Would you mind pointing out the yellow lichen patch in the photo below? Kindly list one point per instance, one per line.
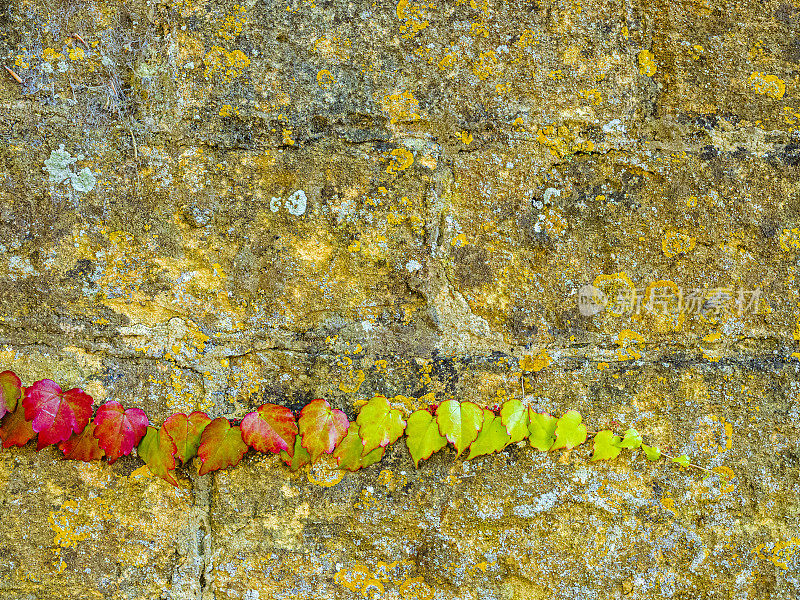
(333, 49)
(76, 53)
(325, 472)
(485, 65)
(647, 63)
(789, 239)
(714, 435)
(780, 553)
(401, 107)
(466, 138)
(536, 362)
(228, 111)
(593, 95)
(619, 293)
(355, 378)
(662, 302)
(401, 159)
(408, 404)
(50, 55)
(528, 38)
(561, 141)
(67, 526)
(412, 18)
(416, 589)
(223, 64)
(768, 85)
(353, 579)
(676, 242)
(631, 345)
(324, 78)
(232, 24)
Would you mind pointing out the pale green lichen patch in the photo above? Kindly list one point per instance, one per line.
(59, 168)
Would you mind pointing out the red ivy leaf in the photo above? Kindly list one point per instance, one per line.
(186, 432)
(83, 446)
(221, 446)
(270, 428)
(15, 430)
(119, 430)
(55, 414)
(322, 427)
(10, 392)
(157, 450)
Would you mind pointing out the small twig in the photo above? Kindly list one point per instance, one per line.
(80, 39)
(135, 151)
(14, 75)
(522, 381)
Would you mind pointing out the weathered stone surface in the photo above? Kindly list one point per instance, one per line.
(214, 204)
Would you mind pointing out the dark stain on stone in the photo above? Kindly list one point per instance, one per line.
(471, 266)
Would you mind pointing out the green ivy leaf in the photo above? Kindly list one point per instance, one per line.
(157, 450)
(299, 456)
(682, 460)
(221, 446)
(10, 392)
(350, 452)
(542, 430)
(493, 436)
(514, 415)
(632, 439)
(422, 436)
(186, 433)
(651, 452)
(606, 445)
(569, 431)
(459, 422)
(379, 424)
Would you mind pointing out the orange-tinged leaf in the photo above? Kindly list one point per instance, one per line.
(270, 428)
(10, 392)
(15, 430)
(83, 446)
(299, 458)
(221, 446)
(119, 430)
(56, 414)
(157, 450)
(186, 432)
(321, 427)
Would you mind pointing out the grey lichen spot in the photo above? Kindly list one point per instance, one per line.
(296, 203)
(58, 165)
(59, 168)
(83, 181)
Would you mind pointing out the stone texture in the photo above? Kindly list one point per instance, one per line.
(211, 205)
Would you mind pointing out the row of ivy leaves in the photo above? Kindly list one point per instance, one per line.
(65, 418)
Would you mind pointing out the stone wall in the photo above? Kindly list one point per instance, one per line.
(210, 205)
